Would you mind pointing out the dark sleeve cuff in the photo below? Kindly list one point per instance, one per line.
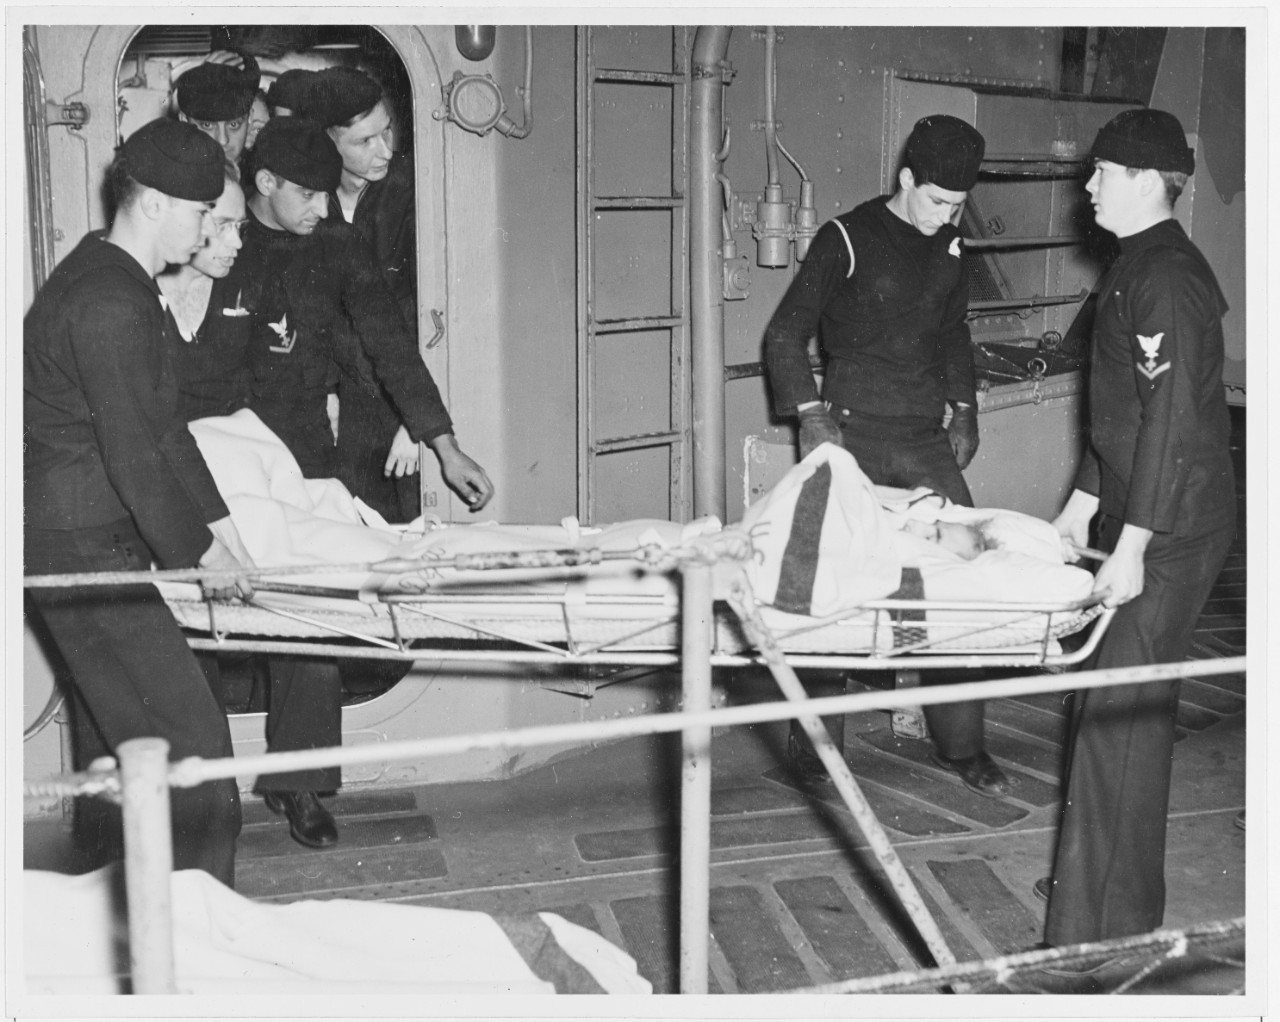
(1088, 475)
(182, 549)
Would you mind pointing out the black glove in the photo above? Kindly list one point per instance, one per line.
(963, 434)
(818, 427)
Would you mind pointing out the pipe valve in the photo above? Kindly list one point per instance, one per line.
(805, 220)
(772, 229)
(737, 273)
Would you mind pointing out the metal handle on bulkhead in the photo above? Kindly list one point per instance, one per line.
(438, 336)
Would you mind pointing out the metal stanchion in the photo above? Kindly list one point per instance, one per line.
(148, 863)
(695, 786)
(838, 770)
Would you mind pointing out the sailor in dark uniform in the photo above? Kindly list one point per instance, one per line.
(1157, 483)
(217, 99)
(114, 481)
(375, 195)
(316, 300)
(286, 95)
(209, 334)
(209, 328)
(323, 311)
(884, 287)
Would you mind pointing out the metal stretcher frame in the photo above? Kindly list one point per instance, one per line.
(914, 639)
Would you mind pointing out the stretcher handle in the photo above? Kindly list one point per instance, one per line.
(1089, 552)
(496, 560)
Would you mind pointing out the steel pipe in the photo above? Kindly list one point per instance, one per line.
(190, 772)
(1043, 241)
(975, 660)
(1176, 940)
(842, 777)
(706, 255)
(148, 863)
(695, 782)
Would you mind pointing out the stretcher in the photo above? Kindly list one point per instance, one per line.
(574, 612)
(827, 560)
(851, 590)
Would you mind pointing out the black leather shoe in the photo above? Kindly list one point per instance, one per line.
(310, 823)
(804, 763)
(1042, 887)
(979, 772)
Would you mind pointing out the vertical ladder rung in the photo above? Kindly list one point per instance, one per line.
(602, 74)
(667, 438)
(622, 326)
(639, 201)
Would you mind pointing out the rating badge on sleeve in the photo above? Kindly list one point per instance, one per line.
(1151, 368)
(287, 337)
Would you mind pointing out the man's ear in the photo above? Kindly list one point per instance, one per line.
(906, 179)
(264, 181)
(152, 203)
(1149, 181)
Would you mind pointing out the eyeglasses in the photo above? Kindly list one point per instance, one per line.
(229, 227)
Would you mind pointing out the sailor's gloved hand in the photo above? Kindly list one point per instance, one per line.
(817, 427)
(963, 433)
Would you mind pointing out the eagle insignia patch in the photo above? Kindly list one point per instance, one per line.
(1151, 348)
(287, 338)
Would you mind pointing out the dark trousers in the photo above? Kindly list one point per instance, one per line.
(304, 711)
(908, 453)
(1109, 866)
(905, 453)
(366, 424)
(303, 700)
(303, 426)
(133, 675)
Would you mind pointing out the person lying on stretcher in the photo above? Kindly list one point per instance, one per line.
(828, 540)
(951, 531)
(824, 523)
(965, 541)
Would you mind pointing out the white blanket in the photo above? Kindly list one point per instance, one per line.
(283, 518)
(287, 520)
(76, 942)
(829, 541)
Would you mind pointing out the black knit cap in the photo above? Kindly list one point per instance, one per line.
(1145, 140)
(945, 151)
(175, 158)
(218, 92)
(298, 150)
(290, 89)
(337, 94)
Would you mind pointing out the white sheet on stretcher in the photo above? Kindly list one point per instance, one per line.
(285, 519)
(75, 941)
(855, 549)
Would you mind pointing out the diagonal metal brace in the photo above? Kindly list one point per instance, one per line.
(742, 601)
